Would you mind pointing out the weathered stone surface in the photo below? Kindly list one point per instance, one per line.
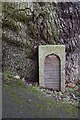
(40, 24)
(15, 60)
(68, 25)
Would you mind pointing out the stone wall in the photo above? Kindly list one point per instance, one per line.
(69, 31)
(15, 60)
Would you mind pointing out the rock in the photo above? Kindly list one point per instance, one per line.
(68, 93)
(44, 90)
(36, 84)
(60, 93)
(50, 92)
(23, 79)
(67, 98)
(59, 98)
(16, 77)
(41, 90)
(22, 54)
(55, 92)
(73, 96)
(74, 102)
(41, 87)
(30, 85)
(76, 88)
(29, 100)
(20, 111)
(71, 85)
(56, 95)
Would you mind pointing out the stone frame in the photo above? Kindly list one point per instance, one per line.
(58, 50)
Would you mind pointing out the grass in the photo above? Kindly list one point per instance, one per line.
(19, 86)
(7, 75)
(71, 90)
(18, 90)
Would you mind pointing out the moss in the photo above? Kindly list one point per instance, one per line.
(28, 52)
(13, 92)
(71, 90)
(22, 17)
(78, 86)
(41, 4)
(7, 86)
(79, 95)
(18, 99)
(10, 24)
(20, 83)
(69, 108)
(41, 106)
(18, 90)
(7, 75)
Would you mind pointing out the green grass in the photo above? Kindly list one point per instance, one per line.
(13, 88)
(17, 90)
(71, 90)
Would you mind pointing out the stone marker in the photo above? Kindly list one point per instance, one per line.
(52, 66)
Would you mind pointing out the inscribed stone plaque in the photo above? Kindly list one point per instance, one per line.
(52, 72)
(52, 66)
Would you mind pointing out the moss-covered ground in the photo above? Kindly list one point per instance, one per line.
(23, 101)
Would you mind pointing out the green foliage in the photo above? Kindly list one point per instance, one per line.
(18, 94)
(13, 14)
(20, 83)
(7, 75)
(22, 17)
(71, 90)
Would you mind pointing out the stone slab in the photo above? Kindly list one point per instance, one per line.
(58, 50)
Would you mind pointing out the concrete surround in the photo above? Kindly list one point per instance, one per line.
(58, 50)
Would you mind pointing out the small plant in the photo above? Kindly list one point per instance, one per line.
(7, 75)
(20, 82)
(71, 90)
(78, 86)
